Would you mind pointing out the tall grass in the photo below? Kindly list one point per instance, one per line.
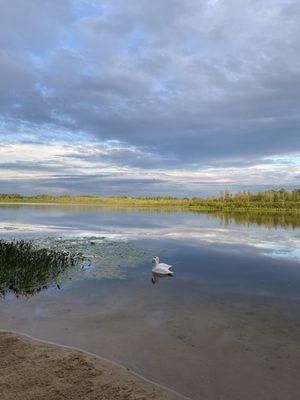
(25, 270)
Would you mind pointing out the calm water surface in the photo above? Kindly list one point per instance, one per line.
(232, 307)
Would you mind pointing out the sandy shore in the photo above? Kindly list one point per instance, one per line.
(33, 370)
(232, 348)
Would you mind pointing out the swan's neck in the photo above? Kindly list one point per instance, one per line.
(156, 262)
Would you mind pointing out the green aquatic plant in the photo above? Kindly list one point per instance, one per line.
(98, 257)
(25, 270)
(27, 267)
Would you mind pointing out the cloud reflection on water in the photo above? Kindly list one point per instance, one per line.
(275, 243)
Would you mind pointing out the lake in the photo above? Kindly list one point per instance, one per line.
(226, 326)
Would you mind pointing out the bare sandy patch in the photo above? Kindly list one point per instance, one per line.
(33, 370)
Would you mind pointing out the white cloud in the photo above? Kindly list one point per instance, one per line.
(35, 161)
(210, 96)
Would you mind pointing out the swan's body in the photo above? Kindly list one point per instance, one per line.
(160, 270)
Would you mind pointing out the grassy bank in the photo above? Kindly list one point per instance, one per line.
(268, 201)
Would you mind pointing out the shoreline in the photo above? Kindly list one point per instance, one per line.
(166, 207)
(118, 378)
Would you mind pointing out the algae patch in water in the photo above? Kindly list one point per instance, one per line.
(98, 257)
(27, 267)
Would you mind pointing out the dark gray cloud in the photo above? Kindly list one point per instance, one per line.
(196, 83)
(110, 186)
(80, 185)
(32, 166)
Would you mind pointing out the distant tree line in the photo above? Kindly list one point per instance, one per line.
(269, 200)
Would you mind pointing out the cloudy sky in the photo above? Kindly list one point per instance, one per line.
(137, 97)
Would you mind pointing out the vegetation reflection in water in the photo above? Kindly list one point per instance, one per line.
(25, 270)
(271, 219)
(27, 267)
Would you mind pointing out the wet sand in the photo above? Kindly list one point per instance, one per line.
(34, 370)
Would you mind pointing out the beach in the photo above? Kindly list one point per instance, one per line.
(33, 370)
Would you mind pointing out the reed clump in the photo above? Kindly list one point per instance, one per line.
(26, 270)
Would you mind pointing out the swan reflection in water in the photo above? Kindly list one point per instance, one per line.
(160, 270)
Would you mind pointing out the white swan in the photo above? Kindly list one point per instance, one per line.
(160, 270)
